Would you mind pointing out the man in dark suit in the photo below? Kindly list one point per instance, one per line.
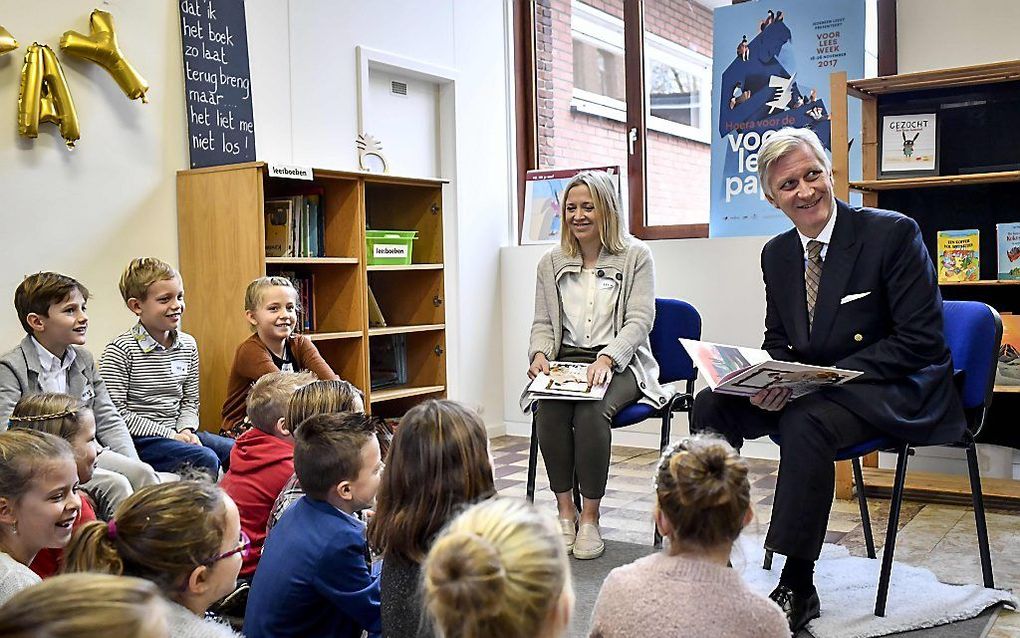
(852, 288)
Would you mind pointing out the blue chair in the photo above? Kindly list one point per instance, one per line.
(674, 320)
(973, 331)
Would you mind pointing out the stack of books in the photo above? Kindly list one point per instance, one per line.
(295, 226)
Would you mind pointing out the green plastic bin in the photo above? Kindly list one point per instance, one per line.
(390, 247)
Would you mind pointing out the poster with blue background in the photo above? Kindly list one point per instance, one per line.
(772, 61)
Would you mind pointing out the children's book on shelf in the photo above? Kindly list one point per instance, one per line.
(279, 224)
(746, 371)
(568, 381)
(305, 285)
(959, 256)
(1008, 370)
(1008, 244)
(295, 226)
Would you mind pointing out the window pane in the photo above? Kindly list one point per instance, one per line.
(678, 44)
(675, 94)
(599, 70)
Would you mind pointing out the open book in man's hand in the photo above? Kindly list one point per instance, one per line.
(566, 381)
(746, 371)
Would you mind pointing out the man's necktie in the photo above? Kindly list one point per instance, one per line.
(812, 276)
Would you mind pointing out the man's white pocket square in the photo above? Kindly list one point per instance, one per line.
(854, 297)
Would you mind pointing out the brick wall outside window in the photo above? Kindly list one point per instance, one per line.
(678, 168)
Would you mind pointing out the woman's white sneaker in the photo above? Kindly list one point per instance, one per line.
(588, 543)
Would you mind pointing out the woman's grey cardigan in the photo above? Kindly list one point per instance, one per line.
(633, 315)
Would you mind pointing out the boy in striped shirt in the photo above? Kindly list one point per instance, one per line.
(151, 372)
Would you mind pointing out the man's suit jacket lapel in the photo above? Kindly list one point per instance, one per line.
(836, 270)
(793, 296)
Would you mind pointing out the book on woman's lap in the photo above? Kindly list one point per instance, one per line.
(746, 371)
(566, 381)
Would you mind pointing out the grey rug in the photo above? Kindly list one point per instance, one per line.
(589, 574)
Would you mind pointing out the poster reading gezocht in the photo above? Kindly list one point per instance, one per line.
(772, 62)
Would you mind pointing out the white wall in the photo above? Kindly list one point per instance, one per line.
(86, 213)
(937, 34)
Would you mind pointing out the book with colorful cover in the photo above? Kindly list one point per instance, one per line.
(279, 226)
(746, 371)
(566, 381)
(1008, 247)
(959, 255)
(1008, 370)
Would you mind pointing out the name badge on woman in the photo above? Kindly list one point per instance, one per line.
(606, 284)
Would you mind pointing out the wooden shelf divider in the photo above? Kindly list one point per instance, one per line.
(328, 336)
(935, 181)
(401, 392)
(396, 330)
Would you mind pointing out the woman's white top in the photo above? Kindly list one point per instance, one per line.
(586, 309)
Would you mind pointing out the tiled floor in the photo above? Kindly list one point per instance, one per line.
(938, 537)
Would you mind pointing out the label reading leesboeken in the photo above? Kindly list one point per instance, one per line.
(389, 251)
(290, 172)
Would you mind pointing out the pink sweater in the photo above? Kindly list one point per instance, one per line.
(662, 595)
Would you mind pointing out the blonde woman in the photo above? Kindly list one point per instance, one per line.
(86, 606)
(499, 570)
(594, 304)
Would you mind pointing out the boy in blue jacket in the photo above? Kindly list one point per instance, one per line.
(314, 577)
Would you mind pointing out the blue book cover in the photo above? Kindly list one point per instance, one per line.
(1008, 248)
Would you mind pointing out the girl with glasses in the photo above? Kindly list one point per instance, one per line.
(185, 537)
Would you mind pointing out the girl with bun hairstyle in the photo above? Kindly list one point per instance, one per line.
(86, 606)
(442, 455)
(704, 502)
(64, 416)
(184, 536)
(499, 570)
(38, 502)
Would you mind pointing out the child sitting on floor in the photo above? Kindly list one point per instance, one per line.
(319, 397)
(64, 416)
(704, 501)
(499, 569)
(263, 458)
(271, 305)
(184, 536)
(38, 502)
(151, 372)
(442, 451)
(314, 578)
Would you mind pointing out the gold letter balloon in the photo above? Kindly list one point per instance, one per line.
(44, 96)
(100, 46)
(7, 41)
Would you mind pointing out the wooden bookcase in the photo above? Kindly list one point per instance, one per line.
(977, 186)
(221, 228)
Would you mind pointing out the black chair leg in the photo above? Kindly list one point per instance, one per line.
(667, 419)
(979, 515)
(767, 565)
(890, 535)
(862, 500)
(532, 462)
(577, 494)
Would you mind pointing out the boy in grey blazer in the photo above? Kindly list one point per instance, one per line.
(52, 358)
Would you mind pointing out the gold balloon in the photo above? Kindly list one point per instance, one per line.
(7, 41)
(100, 46)
(44, 96)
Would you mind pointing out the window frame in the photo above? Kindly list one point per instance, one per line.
(605, 31)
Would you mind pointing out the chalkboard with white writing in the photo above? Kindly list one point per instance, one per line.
(217, 82)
